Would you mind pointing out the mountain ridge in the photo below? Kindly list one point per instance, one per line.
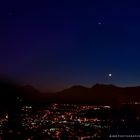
(97, 94)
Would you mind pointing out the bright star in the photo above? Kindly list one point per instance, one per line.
(99, 23)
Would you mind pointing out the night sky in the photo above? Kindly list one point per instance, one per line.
(54, 44)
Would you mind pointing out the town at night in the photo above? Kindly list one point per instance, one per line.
(69, 69)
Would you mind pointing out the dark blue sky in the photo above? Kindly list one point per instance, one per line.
(53, 44)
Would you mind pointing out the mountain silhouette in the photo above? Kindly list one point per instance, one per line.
(99, 94)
